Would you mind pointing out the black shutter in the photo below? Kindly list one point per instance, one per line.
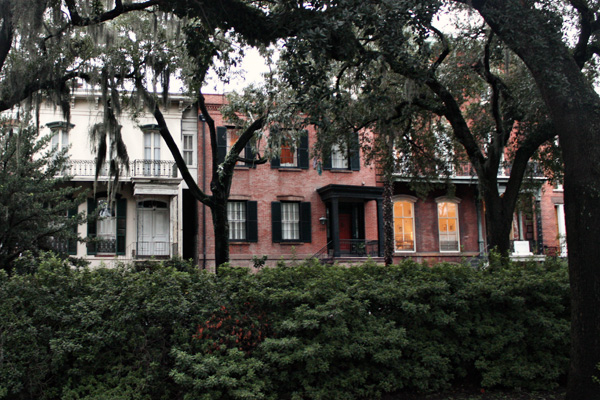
(249, 154)
(276, 221)
(91, 225)
(303, 151)
(121, 225)
(221, 143)
(275, 162)
(327, 161)
(72, 242)
(251, 221)
(305, 223)
(354, 153)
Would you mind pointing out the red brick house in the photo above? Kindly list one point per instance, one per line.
(297, 207)
(292, 207)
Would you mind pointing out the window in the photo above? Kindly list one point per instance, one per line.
(236, 214)
(60, 135)
(291, 221)
(339, 159)
(242, 217)
(288, 157)
(106, 233)
(60, 139)
(151, 153)
(188, 149)
(226, 138)
(293, 156)
(344, 157)
(448, 225)
(404, 224)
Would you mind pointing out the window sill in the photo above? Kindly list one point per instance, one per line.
(290, 169)
(341, 171)
(291, 243)
(239, 242)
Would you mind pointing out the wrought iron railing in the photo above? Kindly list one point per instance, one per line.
(350, 248)
(154, 249)
(137, 168)
(465, 169)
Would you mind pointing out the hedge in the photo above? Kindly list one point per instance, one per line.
(308, 331)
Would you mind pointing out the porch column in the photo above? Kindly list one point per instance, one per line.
(380, 225)
(335, 226)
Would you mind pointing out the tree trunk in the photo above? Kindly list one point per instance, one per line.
(388, 222)
(498, 225)
(574, 107)
(221, 229)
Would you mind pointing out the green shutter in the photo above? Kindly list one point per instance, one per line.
(91, 225)
(121, 225)
(251, 221)
(221, 143)
(354, 153)
(276, 221)
(72, 242)
(305, 223)
(303, 151)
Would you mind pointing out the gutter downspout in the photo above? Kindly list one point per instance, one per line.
(203, 120)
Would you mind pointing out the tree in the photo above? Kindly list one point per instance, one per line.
(533, 30)
(38, 210)
(539, 33)
(446, 100)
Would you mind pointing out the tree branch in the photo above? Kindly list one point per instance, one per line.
(168, 138)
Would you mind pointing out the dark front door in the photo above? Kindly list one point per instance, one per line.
(345, 232)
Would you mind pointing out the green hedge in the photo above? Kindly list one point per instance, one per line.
(299, 332)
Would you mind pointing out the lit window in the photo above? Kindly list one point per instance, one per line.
(236, 215)
(448, 225)
(404, 225)
(290, 221)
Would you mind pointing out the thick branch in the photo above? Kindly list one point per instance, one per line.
(6, 32)
(168, 138)
(587, 21)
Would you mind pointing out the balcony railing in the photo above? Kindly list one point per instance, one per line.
(137, 169)
(465, 170)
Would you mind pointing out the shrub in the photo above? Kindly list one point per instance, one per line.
(306, 331)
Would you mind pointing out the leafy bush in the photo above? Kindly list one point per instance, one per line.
(306, 331)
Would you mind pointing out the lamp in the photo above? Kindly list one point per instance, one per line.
(323, 220)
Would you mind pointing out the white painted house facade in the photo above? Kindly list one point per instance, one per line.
(145, 219)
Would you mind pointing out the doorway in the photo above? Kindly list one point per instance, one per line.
(153, 229)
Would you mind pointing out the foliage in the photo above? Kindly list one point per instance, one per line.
(37, 208)
(307, 331)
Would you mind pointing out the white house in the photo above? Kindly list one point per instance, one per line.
(146, 218)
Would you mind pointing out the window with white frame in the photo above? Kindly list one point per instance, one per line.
(339, 158)
(448, 224)
(188, 149)
(151, 152)
(404, 224)
(236, 215)
(288, 156)
(60, 139)
(290, 221)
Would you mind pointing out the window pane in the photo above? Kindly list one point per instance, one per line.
(338, 158)
(236, 215)
(290, 221)
(448, 226)
(404, 226)
(287, 157)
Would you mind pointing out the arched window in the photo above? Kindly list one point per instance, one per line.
(404, 223)
(448, 223)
